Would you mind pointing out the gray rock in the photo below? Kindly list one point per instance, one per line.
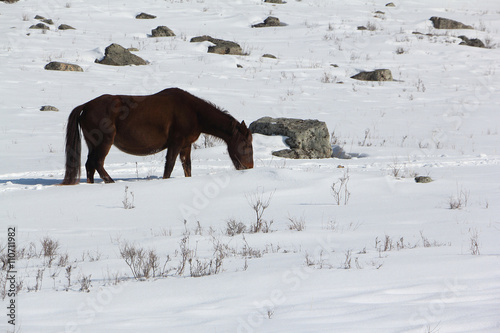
(65, 27)
(376, 75)
(49, 108)
(271, 21)
(423, 179)
(61, 66)
(117, 55)
(444, 23)
(221, 46)
(267, 55)
(275, 1)
(40, 26)
(390, 4)
(9, 1)
(145, 16)
(162, 31)
(306, 138)
(471, 42)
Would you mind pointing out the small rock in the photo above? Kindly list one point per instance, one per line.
(65, 27)
(423, 179)
(271, 21)
(49, 108)
(9, 1)
(117, 55)
(61, 66)
(390, 4)
(275, 1)
(48, 21)
(376, 75)
(444, 23)
(221, 46)
(162, 31)
(144, 16)
(267, 55)
(362, 27)
(40, 26)
(39, 17)
(471, 42)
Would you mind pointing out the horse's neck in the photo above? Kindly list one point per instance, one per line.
(217, 123)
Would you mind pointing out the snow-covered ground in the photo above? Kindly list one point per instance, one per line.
(392, 256)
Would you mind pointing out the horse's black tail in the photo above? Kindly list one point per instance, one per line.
(73, 148)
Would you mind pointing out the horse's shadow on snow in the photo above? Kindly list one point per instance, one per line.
(55, 181)
(31, 181)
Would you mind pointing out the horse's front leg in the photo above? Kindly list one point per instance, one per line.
(185, 156)
(172, 153)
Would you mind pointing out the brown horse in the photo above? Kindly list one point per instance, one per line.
(145, 125)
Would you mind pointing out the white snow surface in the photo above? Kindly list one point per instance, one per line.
(394, 257)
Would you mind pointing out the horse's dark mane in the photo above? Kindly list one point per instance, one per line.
(218, 108)
(216, 114)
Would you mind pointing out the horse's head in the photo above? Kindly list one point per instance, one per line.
(240, 147)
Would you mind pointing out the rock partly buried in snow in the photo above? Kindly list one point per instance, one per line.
(162, 31)
(376, 75)
(40, 26)
(117, 55)
(444, 23)
(471, 42)
(268, 55)
(275, 1)
(221, 46)
(145, 16)
(61, 66)
(306, 138)
(65, 27)
(49, 108)
(423, 179)
(271, 21)
(390, 4)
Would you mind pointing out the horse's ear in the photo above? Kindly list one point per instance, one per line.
(245, 130)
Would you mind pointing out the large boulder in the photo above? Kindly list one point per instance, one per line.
(444, 23)
(306, 138)
(376, 75)
(221, 46)
(117, 55)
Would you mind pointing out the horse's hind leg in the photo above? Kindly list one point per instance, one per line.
(90, 166)
(185, 156)
(95, 160)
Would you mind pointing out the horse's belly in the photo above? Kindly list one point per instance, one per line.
(140, 144)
